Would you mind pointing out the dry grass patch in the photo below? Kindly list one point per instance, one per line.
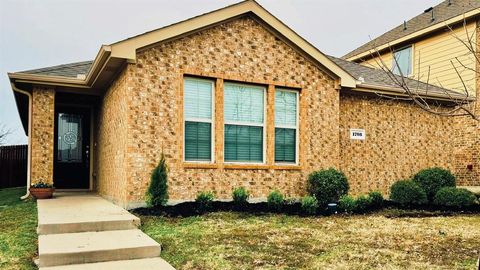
(242, 241)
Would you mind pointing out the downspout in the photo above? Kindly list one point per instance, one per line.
(29, 148)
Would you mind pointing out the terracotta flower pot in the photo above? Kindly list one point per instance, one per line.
(42, 193)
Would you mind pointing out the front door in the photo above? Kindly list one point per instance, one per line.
(72, 148)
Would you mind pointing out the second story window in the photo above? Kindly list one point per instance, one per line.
(244, 115)
(402, 62)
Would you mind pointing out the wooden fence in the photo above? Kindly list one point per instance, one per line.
(13, 166)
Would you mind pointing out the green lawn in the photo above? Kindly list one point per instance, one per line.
(18, 238)
(243, 241)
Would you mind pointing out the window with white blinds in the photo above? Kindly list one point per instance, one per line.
(198, 115)
(286, 128)
(244, 116)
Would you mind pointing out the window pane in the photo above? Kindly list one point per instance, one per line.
(69, 138)
(198, 98)
(285, 108)
(403, 61)
(243, 143)
(198, 142)
(243, 103)
(285, 145)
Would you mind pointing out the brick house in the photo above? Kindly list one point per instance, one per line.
(232, 98)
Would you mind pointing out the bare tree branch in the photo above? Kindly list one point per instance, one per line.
(419, 89)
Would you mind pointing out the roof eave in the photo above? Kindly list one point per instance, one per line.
(397, 91)
(95, 71)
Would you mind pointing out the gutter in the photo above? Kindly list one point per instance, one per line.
(400, 92)
(29, 148)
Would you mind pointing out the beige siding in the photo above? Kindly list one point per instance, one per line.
(437, 54)
(433, 59)
(386, 59)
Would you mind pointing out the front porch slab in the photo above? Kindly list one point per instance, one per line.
(71, 212)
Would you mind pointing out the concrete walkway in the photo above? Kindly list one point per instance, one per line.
(85, 231)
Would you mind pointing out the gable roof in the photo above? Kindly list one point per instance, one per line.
(373, 78)
(126, 49)
(445, 13)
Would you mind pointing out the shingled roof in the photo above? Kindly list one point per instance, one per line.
(442, 12)
(71, 70)
(377, 77)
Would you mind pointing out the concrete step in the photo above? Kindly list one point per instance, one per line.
(89, 226)
(82, 213)
(89, 247)
(140, 264)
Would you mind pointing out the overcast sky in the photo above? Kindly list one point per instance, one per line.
(35, 34)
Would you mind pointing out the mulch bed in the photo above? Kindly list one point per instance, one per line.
(390, 210)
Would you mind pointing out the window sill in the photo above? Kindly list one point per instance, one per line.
(242, 166)
(188, 165)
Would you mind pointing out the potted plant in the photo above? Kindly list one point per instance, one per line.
(42, 190)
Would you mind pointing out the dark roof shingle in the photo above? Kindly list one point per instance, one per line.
(442, 12)
(378, 77)
(71, 70)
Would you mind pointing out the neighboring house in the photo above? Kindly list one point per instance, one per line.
(425, 48)
(232, 98)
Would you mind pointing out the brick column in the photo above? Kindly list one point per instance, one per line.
(43, 119)
(270, 125)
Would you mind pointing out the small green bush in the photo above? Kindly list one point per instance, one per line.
(157, 193)
(347, 204)
(204, 200)
(327, 186)
(433, 179)
(240, 196)
(407, 192)
(363, 203)
(376, 199)
(275, 200)
(309, 205)
(456, 197)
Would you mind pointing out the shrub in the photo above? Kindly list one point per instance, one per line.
(204, 200)
(347, 204)
(362, 204)
(407, 192)
(456, 197)
(376, 199)
(327, 186)
(309, 205)
(157, 193)
(275, 200)
(240, 196)
(433, 179)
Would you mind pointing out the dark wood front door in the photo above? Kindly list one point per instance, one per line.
(72, 148)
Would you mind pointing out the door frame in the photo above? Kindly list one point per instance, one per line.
(91, 145)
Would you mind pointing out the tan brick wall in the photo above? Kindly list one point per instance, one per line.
(43, 109)
(241, 49)
(467, 143)
(401, 139)
(110, 137)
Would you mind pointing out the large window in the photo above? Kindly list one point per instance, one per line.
(286, 129)
(244, 114)
(402, 62)
(198, 109)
